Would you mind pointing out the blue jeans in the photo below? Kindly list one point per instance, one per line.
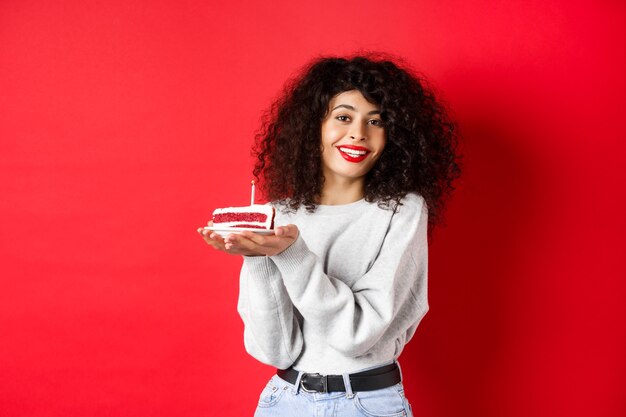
(282, 399)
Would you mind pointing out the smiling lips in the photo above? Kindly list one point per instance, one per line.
(353, 153)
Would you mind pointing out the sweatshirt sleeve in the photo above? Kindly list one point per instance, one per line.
(392, 291)
(271, 329)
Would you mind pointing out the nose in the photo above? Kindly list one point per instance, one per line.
(357, 132)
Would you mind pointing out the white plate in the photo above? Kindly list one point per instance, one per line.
(225, 231)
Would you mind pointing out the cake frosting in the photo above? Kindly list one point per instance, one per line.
(256, 216)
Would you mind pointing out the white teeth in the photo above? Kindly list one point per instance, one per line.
(353, 152)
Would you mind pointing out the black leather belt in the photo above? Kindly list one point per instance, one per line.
(377, 378)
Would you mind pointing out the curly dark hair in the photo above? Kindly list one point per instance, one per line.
(420, 153)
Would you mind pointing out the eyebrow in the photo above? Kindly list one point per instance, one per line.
(349, 107)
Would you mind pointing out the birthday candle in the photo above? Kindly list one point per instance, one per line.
(252, 195)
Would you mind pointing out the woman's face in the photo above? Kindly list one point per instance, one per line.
(353, 136)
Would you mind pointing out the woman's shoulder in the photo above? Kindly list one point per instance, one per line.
(411, 203)
(414, 199)
(411, 210)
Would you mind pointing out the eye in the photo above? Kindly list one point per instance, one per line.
(342, 118)
(376, 122)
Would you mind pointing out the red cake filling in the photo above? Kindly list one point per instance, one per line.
(250, 226)
(240, 217)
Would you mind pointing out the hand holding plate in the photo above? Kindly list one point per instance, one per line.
(216, 241)
(260, 245)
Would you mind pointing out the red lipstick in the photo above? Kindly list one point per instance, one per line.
(352, 153)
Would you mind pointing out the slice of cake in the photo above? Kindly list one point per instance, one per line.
(257, 216)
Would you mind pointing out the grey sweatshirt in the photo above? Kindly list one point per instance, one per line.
(347, 295)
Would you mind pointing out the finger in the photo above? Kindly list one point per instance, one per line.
(291, 230)
(212, 239)
(255, 237)
(240, 243)
(204, 233)
(230, 238)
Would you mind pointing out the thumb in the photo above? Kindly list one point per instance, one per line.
(291, 230)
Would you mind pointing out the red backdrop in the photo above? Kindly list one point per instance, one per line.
(124, 123)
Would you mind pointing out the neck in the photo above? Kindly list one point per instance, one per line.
(337, 191)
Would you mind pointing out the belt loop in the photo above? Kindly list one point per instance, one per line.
(399, 369)
(296, 389)
(348, 385)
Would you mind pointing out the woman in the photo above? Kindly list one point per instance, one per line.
(358, 157)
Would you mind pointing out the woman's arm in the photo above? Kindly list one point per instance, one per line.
(272, 333)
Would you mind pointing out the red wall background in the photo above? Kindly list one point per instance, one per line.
(124, 123)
